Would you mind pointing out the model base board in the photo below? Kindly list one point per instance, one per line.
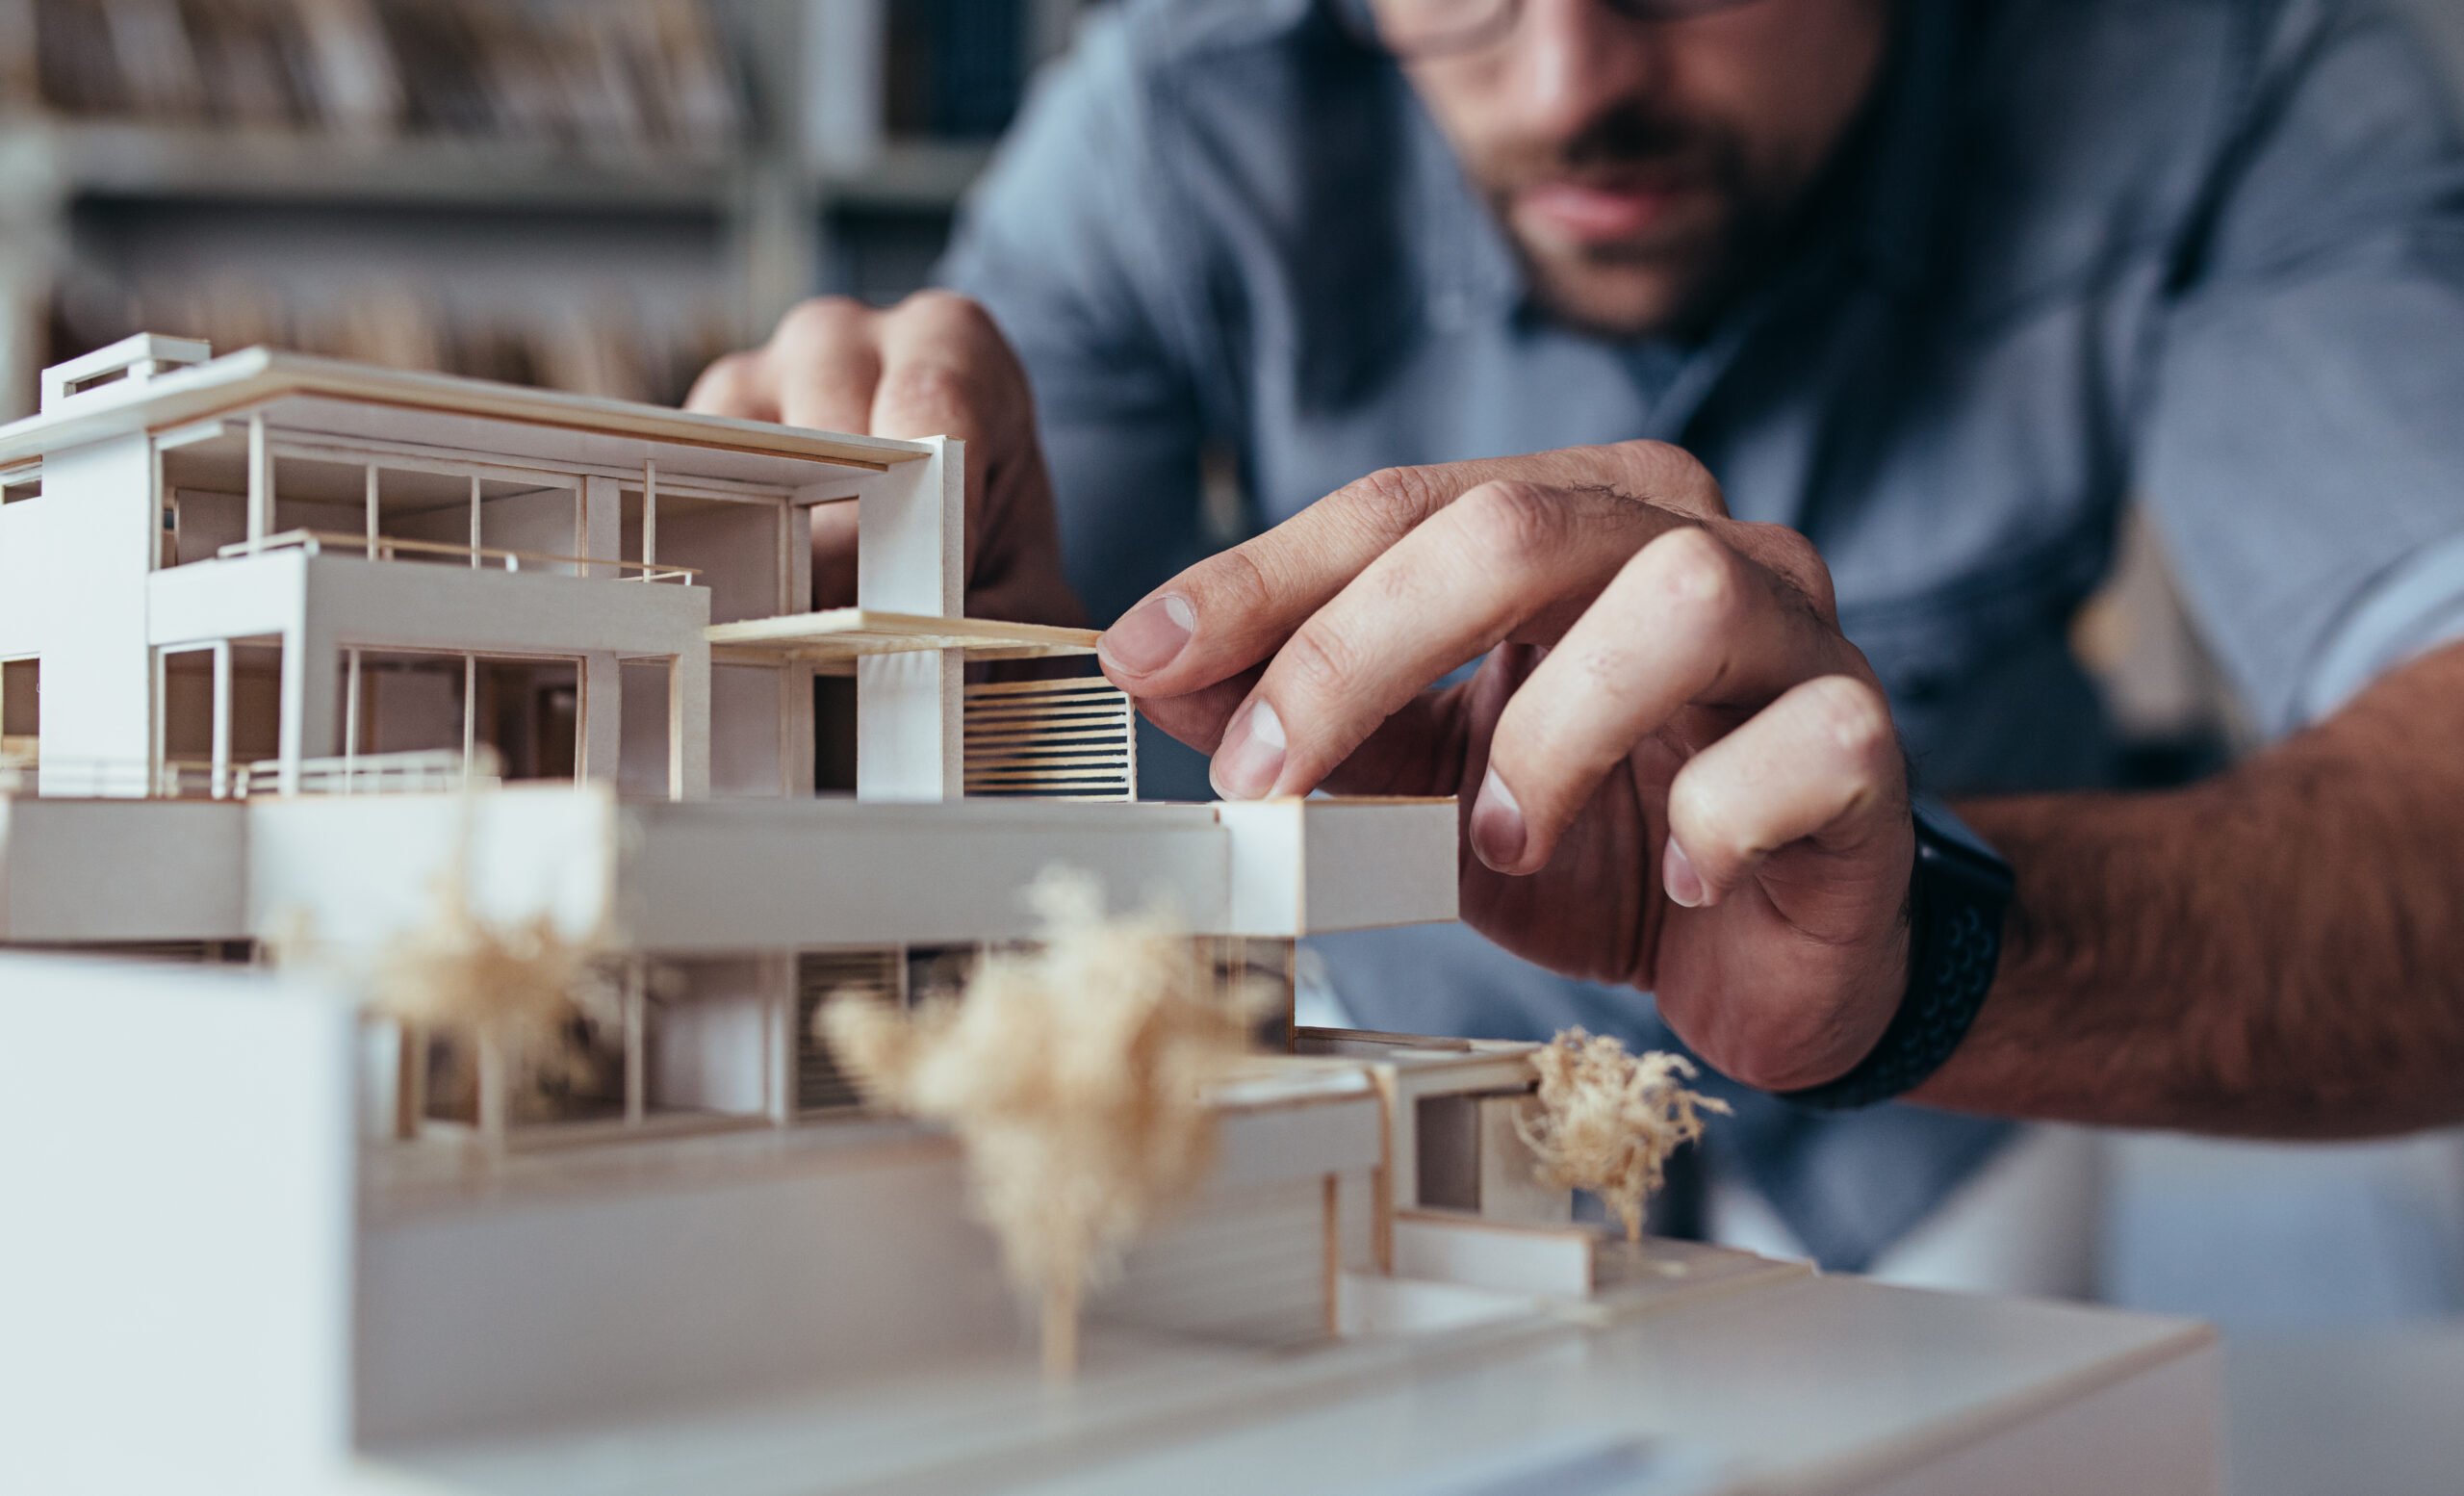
(811, 1308)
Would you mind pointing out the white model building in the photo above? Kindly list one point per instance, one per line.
(256, 610)
(292, 644)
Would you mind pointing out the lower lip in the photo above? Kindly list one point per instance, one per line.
(1597, 214)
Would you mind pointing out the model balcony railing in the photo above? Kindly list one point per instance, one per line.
(431, 771)
(426, 772)
(1074, 740)
(386, 548)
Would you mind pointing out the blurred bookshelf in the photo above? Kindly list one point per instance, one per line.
(599, 194)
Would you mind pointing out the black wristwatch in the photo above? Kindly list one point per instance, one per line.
(1959, 893)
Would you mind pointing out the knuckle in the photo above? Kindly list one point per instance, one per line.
(946, 318)
(1390, 502)
(729, 380)
(1512, 520)
(1697, 812)
(1233, 583)
(1670, 474)
(1702, 578)
(1855, 718)
(820, 322)
(936, 305)
(927, 384)
(1792, 556)
(1319, 663)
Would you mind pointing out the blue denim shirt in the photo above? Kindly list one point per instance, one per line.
(2203, 254)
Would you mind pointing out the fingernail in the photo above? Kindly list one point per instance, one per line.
(1150, 635)
(1678, 878)
(1498, 830)
(1250, 759)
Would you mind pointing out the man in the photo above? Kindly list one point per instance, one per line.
(1919, 294)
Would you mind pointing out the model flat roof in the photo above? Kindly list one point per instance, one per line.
(343, 398)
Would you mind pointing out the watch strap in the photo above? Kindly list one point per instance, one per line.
(1956, 898)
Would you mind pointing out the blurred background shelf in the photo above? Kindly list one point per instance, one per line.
(129, 161)
(917, 174)
(597, 193)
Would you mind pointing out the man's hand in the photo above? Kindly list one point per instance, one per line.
(1679, 773)
(933, 366)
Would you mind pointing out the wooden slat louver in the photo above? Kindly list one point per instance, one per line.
(1074, 740)
(820, 1085)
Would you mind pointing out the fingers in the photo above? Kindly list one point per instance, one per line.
(1483, 569)
(1253, 595)
(737, 386)
(1689, 621)
(935, 365)
(1230, 611)
(1821, 763)
(834, 555)
(946, 370)
(824, 364)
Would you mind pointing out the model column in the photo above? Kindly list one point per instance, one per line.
(911, 546)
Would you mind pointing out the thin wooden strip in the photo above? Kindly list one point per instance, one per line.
(1071, 742)
(1100, 690)
(1053, 754)
(1073, 761)
(1057, 721)
(1109, 797)
(1035, 705)
(1092, 683)
(1003, 739)
(1082, 769)
(1055, 699)
(1032, 761)
(1082, 716)
(1075, 682)
(1032, 703)
(1049, 785)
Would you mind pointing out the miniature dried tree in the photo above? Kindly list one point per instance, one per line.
(516, 991)
(1609, 1120)
(1074, 1075)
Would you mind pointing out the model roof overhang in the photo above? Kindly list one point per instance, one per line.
(505, 421)
(842, 633)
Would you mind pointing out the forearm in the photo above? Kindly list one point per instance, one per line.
(2279, 950)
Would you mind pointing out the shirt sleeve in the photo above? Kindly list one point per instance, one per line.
(2305, 450)
(1068, 244)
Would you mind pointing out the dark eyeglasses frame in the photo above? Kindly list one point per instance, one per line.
(1359, 18)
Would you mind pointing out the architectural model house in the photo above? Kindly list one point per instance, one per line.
(257, 611)
(293, 647)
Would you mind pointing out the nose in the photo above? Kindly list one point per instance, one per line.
(1573, 60)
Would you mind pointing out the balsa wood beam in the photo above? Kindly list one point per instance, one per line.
(849, 633)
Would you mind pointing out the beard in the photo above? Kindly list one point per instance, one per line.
(1722, 218)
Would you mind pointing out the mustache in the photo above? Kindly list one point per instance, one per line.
(1617, 143)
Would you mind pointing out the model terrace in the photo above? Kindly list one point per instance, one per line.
(274, 573)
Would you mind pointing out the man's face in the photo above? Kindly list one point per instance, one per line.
(1641, 167)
